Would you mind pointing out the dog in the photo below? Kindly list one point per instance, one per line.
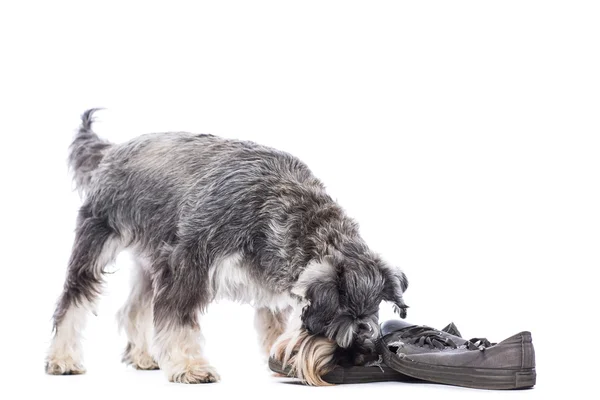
(209, 218)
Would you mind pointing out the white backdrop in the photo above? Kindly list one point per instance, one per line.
(463, 136)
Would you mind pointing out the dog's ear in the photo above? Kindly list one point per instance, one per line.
(323, 305)
(394, 287)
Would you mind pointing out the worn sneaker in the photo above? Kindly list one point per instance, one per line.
(437, 356)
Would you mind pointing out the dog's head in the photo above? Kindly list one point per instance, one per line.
(343, 292)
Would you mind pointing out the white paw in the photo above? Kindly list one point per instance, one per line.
(144, 362)
(63, 366)
(195, 373)
(139, 359)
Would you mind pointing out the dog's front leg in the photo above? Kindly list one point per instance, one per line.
(179, 295)
(270, 324)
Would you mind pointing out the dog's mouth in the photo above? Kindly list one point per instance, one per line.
(347, 332)
(361, 352)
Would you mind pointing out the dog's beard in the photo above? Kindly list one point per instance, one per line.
(362, 352)
(308, 356)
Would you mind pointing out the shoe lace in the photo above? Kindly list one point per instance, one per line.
(479, 343)
(424, 336)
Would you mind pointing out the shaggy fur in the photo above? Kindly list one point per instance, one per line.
(208, 217)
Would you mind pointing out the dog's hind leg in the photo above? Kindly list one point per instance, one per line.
(270, 325)
(135, 317)
(95, 246)
(181, 291)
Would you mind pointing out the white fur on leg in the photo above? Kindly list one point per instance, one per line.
(138, 327)
(139, 358)
(270, 325)
(179, 353)
(135, 318)
(65, 356)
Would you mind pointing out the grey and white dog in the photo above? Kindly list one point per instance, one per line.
(212, 218)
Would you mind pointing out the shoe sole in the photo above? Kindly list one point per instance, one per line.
(477, 378)
(351, 375)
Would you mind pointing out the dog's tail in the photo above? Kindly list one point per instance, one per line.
(86, 151)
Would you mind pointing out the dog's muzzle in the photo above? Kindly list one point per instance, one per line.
(367, 330)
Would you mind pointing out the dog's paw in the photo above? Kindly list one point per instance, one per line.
(144, 362)
(196, 374)
(63, 366)
(139, 359)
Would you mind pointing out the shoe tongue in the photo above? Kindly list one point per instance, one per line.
(451, 329)
(394, 325)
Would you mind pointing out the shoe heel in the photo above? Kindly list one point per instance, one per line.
(528, 352)
(525, 379)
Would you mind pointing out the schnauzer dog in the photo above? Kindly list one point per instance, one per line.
(210, 218)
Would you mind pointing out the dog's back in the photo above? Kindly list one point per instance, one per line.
(161, 186)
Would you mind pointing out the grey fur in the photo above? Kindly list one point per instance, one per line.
(185, 201)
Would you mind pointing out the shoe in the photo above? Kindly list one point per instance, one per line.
(351, 374)
(437, 356)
